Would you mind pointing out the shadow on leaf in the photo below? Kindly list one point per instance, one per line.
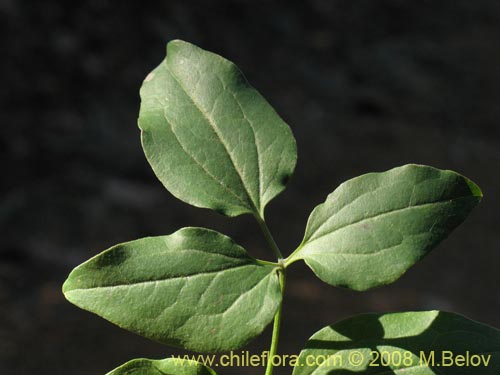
(435, 340)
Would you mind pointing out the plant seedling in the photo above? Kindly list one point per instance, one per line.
(214, 142)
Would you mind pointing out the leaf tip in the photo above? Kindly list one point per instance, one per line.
(66, 287)
(474, 188)
(177, 44)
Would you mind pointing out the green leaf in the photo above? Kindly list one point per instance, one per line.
(170, 366)
(210, 137)
(402, 343)
(372, 228)
(194, 289)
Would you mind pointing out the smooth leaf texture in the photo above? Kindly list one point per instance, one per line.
(210, 137)
(168, 366)
(357, 345)
(372, 228)
(194, 289)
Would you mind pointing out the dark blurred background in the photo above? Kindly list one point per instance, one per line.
(365, 86)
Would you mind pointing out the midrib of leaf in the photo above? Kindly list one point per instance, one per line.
(235, 301)
(382, 214)
(177, 251)
(215, 129)
(162, 280)
(338, 253)
(256, 144)
(348, 204)
(201, 165)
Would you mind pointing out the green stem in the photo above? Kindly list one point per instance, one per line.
(290, 259)
(269, 237)
(282, 278)
(276, 327)
(266, 263)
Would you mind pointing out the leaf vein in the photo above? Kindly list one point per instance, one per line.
(202, 166)
(378, 216)
(216, 131)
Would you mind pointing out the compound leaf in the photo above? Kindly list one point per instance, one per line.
(416, 343)
(210, 137)
(372, 228)
(194, 289)
(170, 366)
